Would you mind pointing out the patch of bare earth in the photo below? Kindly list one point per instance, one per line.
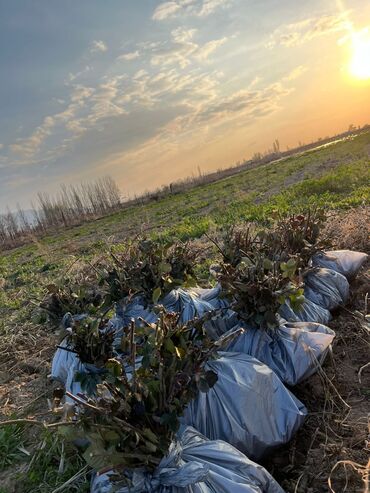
(24, 365)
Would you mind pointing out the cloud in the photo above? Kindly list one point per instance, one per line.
(103, 101)
(178, 51)
(29, 146)
(182, 49)
(198, 8)
(209, 6)
(244, 104)
(168, 87)
(129, 56)
(165, 10)
(1, 146)
(210, 47)
(98, 46)
(308, 29)
(72, 77)
(295, 73)
(89, 108)
(202, 123)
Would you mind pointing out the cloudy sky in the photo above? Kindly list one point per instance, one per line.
(148, 91)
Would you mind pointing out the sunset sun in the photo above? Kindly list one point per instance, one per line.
(360, 61)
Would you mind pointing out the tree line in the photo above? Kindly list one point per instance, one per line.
(73, 205)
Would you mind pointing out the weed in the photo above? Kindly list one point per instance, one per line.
(11, 439)
(52, 464)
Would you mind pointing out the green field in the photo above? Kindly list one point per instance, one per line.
(336, 176)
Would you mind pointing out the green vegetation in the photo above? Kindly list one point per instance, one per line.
(10, 443)
(43, 475)
(133, 411)
(336, 176)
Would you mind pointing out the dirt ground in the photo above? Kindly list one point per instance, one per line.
(331, 451)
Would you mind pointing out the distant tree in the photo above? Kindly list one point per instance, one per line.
(72, 205)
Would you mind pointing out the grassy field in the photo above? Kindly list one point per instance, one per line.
(336, 177)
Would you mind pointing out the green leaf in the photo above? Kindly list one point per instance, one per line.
(114, 366)
(150, 435)
(169, 345)
(291, 263)
(98, 457)
(156, 295)
(267, 264)
(111, 436)
(164, 268)
(150, 446)
(170, 420)
(203, 385)
(180, 353)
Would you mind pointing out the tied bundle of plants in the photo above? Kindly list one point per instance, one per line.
(67, 296)
(91, 340)
(238, 242)
(150, 268)
(134, 414)
(258, 287)
(263, 268)
(297, 236)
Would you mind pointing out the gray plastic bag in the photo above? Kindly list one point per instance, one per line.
(309, 312)
(189, 304)
(64, 357)
(343, 261)
(292, 350)
(195, 464)
(248, 407)
(326, 288)
(192, 303)
(212, 296)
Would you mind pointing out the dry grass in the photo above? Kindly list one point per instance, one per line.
(350, 230)
(25, 363)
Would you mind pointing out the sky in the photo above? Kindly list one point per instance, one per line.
(150, 91)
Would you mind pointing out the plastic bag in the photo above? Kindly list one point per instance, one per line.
(326, 288)
(309, 312)
(192, 303)
(292, 350)
(195, 464)
(343, 261)
(248, 407)
(64, 357)
(212, 296)
(188, 304)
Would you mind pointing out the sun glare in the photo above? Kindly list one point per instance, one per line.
(360, 61)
